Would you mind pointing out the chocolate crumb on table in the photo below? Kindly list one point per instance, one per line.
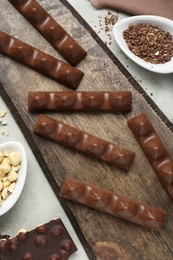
(149, 42)
(106, 24)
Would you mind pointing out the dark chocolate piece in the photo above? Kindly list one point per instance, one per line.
(113, 204)
(88, 144)
(40, 61)
(50, 30)
(154, 150)
(68, 101)
(46, 242)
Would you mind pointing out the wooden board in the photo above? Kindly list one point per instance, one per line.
(102, 72)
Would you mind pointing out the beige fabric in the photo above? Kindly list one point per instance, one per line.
(151, 7)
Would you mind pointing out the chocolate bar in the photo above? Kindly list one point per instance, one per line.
(40, 61)
(79, 140)
(113, 204)
(154, 150)
(50, 30)
(48, 241)
(68, 101)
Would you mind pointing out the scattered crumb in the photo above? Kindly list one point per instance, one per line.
(5, 133)
(106, 24)
(3, 122)
(2, 113)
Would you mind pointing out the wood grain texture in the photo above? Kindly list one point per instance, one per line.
(101, 73)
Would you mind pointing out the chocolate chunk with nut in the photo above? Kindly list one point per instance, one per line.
(50, 241)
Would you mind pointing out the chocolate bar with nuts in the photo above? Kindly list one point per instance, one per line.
(47, 241)
(68, 101)
(40, 61)
(87, 143)
(154, 150)
(50, 30)
(113, 204)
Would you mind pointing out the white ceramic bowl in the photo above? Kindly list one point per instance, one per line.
(8, 203)
(163, 23)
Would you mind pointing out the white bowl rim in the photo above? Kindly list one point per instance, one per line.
(162, 22)
(8, 203)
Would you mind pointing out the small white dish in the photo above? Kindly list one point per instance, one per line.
(9, 202)
(163, 23)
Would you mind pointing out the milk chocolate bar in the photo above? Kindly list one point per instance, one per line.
(39, 61)
(68, 101)
(50, 30)
(49, 241)
(79, 140)
(113, 204)
(154, 150)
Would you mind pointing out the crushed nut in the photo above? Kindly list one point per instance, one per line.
(3, 113)
(149, 42)
(3, 122)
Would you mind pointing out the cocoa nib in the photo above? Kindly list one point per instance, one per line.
(149, 42)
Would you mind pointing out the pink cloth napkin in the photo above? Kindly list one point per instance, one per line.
(151, 7)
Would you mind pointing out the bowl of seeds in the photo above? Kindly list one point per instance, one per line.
(13, 170)
(147, 40)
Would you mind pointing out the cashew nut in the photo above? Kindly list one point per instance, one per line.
(7, 184)
(1, 156)
(14, 158)
(1, 185)
(11, 187)
(16, 168)
(12, 176)
(4, 179)
(5, 166)
(6, 154)
(4, 193)
(9, 167)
